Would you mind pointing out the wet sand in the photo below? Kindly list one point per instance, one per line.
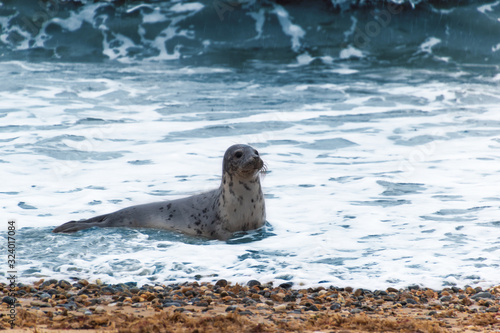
(80, 306)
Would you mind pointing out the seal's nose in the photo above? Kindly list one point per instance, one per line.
(255, 155)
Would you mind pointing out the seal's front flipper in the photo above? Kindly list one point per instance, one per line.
(73, 226)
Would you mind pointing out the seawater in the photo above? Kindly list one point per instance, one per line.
(381, 173)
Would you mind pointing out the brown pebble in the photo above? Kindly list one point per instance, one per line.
(431, 293)
(186, 289)
(78, 313)
(83, 282)
(255, 296)
(280, 308)
(469, 290)
(466, 301)
(64, 284)
(323, 292)
(101, 320)
(40, 304)
(99, 309)
(277, 298)
(137, 299)
(39, 282)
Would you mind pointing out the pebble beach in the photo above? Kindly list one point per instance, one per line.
(83, 306)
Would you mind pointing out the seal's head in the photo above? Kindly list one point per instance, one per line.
(242, 161)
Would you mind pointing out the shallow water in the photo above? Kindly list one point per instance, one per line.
(380, 173)
(372, 181)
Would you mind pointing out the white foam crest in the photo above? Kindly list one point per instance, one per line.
(429, 43)
(260, 19)
(344, 71)
(76, 19)
(155, 16)
(351, 52)
(138, 7)
(294, 31)
(304, 59)
(187, 7)
(487, 7)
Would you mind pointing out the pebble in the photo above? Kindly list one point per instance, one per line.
(134, 290)
(358, 292)
(8, 300)
(83, 282)
(245, 312)
(445, 299)
(231, 308)
(64, 284)
(168, 304)
(335, 306)
(253, 283)
(44, 297)
(48, 283)
(40, 304)
(223, 283)
(108, 290)
(99, 309)
(482, 295)
(280, 308)
(286, 285)
(312, 308)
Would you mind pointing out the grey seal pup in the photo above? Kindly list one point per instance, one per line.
(237, 205)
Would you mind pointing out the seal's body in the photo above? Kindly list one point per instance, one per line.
(237, 205)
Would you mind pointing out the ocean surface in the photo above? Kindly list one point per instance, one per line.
(379, 123)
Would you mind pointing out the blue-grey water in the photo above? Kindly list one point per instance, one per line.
(379, 124)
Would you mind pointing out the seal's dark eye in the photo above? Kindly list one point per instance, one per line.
(238, 154)
(256, 152)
